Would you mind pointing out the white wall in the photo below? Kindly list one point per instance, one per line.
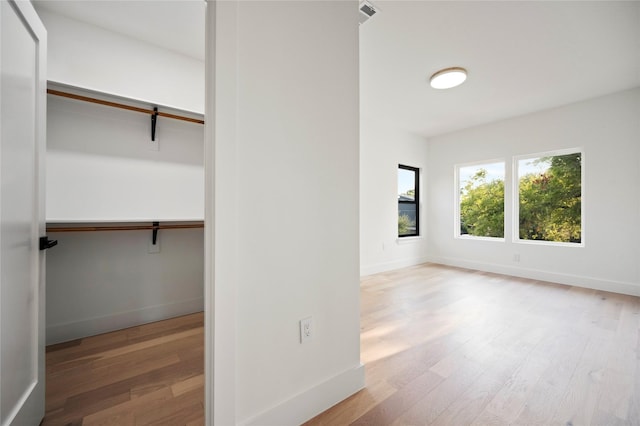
(104, 281)
(608, 129)
(292, 251)
(100, 166)
(382, 148)
(91, 57)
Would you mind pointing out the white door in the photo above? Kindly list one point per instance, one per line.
(22, 136)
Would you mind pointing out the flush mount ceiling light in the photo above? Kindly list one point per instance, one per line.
(448, 78)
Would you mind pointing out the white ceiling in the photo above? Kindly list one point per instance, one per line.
(176, 25)
(521, 56)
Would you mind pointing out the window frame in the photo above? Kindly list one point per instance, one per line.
(456, 223)
(516, 197)
(416, 199)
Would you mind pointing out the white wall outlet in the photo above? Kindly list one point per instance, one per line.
(154, 248)
(516, 257)
(306, 329)
(154, 145)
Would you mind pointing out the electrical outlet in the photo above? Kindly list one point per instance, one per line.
(154, 248)
(306, 329)
(516, 257)
(154, 145)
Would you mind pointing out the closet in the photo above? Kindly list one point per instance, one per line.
(127, 212)
(125, 205)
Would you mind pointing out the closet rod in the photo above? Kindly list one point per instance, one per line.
(81, 228)
(122, 106)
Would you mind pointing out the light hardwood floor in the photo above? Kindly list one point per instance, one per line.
(448, 346)
(147, 375)
(441, 346)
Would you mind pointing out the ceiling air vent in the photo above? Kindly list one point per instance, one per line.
(367, 10)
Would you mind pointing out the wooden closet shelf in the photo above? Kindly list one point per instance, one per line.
(123, 106)
(81, 228)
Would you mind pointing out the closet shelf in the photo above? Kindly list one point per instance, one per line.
(84, 95)
(124, 226)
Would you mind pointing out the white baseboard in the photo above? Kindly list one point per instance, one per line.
(57, 333)
(621, 287)
(312, 402)
(390, 266)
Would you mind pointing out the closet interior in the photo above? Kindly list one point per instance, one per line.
(125, 200)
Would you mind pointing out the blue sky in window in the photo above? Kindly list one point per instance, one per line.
(494, 171)
(527, 166)
(405, 180)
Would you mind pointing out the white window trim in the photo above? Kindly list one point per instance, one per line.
(409, 240)
(476, 238)
(516, 197)
(456, 201)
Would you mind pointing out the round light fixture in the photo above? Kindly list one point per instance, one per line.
(448, 78)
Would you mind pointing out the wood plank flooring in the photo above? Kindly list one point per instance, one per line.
(147, 375)
(441, 346)
(447, 346)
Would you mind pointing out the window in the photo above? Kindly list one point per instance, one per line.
(481, 200)
(549, 202)
(408, 201)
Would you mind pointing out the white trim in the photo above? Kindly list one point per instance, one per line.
(621, 287)
(221, 218)
(409, 240)
(515, 199)
(209, 212)
(475, 238)
(548, 243)
(308, 404)
(390, 266)
(21, 402)
(63, 332)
